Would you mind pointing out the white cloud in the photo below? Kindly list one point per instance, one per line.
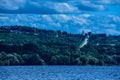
(47, 18)
(89, 6)
(115, 18)
(49, 6)
(109, 25)
(61, 18)
(86, 15)
(112, 31)
(80, 21)
(4, 18)
(71, 23)
(62, 7)
(12, 4)
(110, 1)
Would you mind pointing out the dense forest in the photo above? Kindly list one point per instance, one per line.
(22, 45)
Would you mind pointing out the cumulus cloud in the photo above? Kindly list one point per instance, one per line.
(53, 6)
(35, 6)
(70, 15)
(108, 2)
(12, 4)
(25, 7)
(70, 23)
(64, 8)
(112, 31)
(90, 6)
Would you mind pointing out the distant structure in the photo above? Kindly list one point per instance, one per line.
(83, 32)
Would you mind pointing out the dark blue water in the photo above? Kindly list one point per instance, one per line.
(59, 73)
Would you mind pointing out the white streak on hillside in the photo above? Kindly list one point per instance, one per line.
(84, 43)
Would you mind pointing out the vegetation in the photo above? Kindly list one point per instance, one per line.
(22, 45)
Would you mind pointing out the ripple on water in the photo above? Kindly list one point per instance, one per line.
(59, 73)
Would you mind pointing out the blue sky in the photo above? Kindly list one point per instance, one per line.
(98, 16)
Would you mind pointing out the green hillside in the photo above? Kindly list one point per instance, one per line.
(22, 45)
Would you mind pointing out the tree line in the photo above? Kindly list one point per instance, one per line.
(47, 47)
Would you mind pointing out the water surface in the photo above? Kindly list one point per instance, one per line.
(59, 73)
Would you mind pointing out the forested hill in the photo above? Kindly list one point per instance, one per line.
(22, 45)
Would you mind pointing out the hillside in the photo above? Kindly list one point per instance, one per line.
(22, 45)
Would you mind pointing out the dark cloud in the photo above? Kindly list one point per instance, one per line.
(90, 8)
(31, 10)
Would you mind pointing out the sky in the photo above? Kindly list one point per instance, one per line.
(97, 16)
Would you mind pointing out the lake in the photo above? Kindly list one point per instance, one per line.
(59, 72)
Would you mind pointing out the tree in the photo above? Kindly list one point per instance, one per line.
(3, 57)
(77, 61)
(59, 60)
(32, 59)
